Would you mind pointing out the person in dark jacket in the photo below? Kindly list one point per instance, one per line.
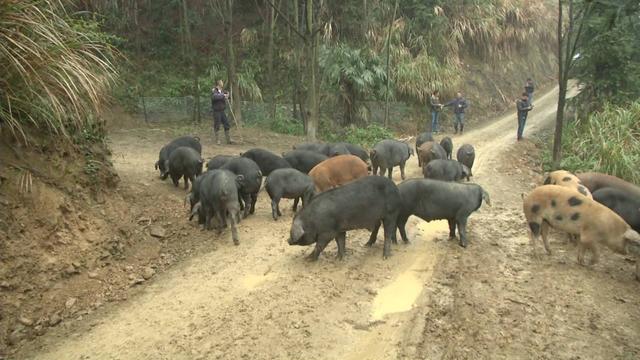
(435, 110)
(458, 104)
(219, 104)
(523, 107)
(528, 88)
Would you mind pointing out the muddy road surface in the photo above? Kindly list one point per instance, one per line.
(432, 299)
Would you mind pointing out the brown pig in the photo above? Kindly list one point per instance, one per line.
(430, 150)
(565, 209)
(337, 170)
(567, 179)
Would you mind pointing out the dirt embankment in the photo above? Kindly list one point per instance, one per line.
(262, 300)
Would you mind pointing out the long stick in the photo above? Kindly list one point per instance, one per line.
(235, 121)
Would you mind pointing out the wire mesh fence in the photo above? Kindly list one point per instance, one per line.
(159, 109)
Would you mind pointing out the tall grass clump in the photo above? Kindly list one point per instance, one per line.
(365, 136)
(607, 142)
(55, 71)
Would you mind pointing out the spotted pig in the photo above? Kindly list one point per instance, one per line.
(565, 209)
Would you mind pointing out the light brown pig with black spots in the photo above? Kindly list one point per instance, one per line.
(565, 209)
(336, 171)
(567, 179)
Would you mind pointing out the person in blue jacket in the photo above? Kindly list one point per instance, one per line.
(523, 107)
(459, 104)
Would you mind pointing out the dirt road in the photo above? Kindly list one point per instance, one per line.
(431, 299)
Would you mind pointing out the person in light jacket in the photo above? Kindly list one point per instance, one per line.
(436, 107)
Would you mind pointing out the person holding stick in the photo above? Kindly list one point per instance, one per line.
(218, 104)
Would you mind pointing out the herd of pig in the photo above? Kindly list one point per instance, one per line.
(339, 189)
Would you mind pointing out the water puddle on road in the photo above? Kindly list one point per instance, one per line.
(400, 295)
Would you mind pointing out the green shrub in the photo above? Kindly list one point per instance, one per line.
(364, 136)
(607, 142)
(286, 125)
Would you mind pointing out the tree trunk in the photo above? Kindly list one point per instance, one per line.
(196, 93)
(195, 110)
(386, 95)
(312, 62)
(270, 73)
(298, 59)
(562, 95)
(236, 110)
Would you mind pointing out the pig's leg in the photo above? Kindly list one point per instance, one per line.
(402, 222)
(321, 243)
(390, 171)
(544, 231)
(389, 224)
(340, 240)
(462, 230)
(254, 199)
(186, 181)
(581, 250)
(595, 254)
(247, 200)
(452, 228)
(402, 170)
(295, 204)
(374, 235)
(274, 207)
(175, 179)
(234, 230)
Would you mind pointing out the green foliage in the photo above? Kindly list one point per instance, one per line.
(56, 70)
(609, 62)
(365, 136)
(259, 115)
(607, 142)
(357, 74)
(286, 125)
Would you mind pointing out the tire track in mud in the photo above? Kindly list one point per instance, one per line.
(263, 300)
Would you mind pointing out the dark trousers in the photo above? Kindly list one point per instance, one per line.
(219, 117)
(522, 119)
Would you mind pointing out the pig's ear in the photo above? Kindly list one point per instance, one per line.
(196, 207)
(547, 181)
(632, 235)
(296, 230)
(240, 179)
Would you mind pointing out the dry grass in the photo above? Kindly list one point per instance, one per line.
(53, 75)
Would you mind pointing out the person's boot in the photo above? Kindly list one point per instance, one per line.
(227, 136)
(215, 133)
(456, 128)
(461, 128)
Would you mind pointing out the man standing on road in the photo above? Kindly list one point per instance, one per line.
(435, 110)
(459, 104)
(218, 104)
(524, 107)
(528, 88)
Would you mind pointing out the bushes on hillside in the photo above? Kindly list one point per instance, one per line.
(607, 142)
